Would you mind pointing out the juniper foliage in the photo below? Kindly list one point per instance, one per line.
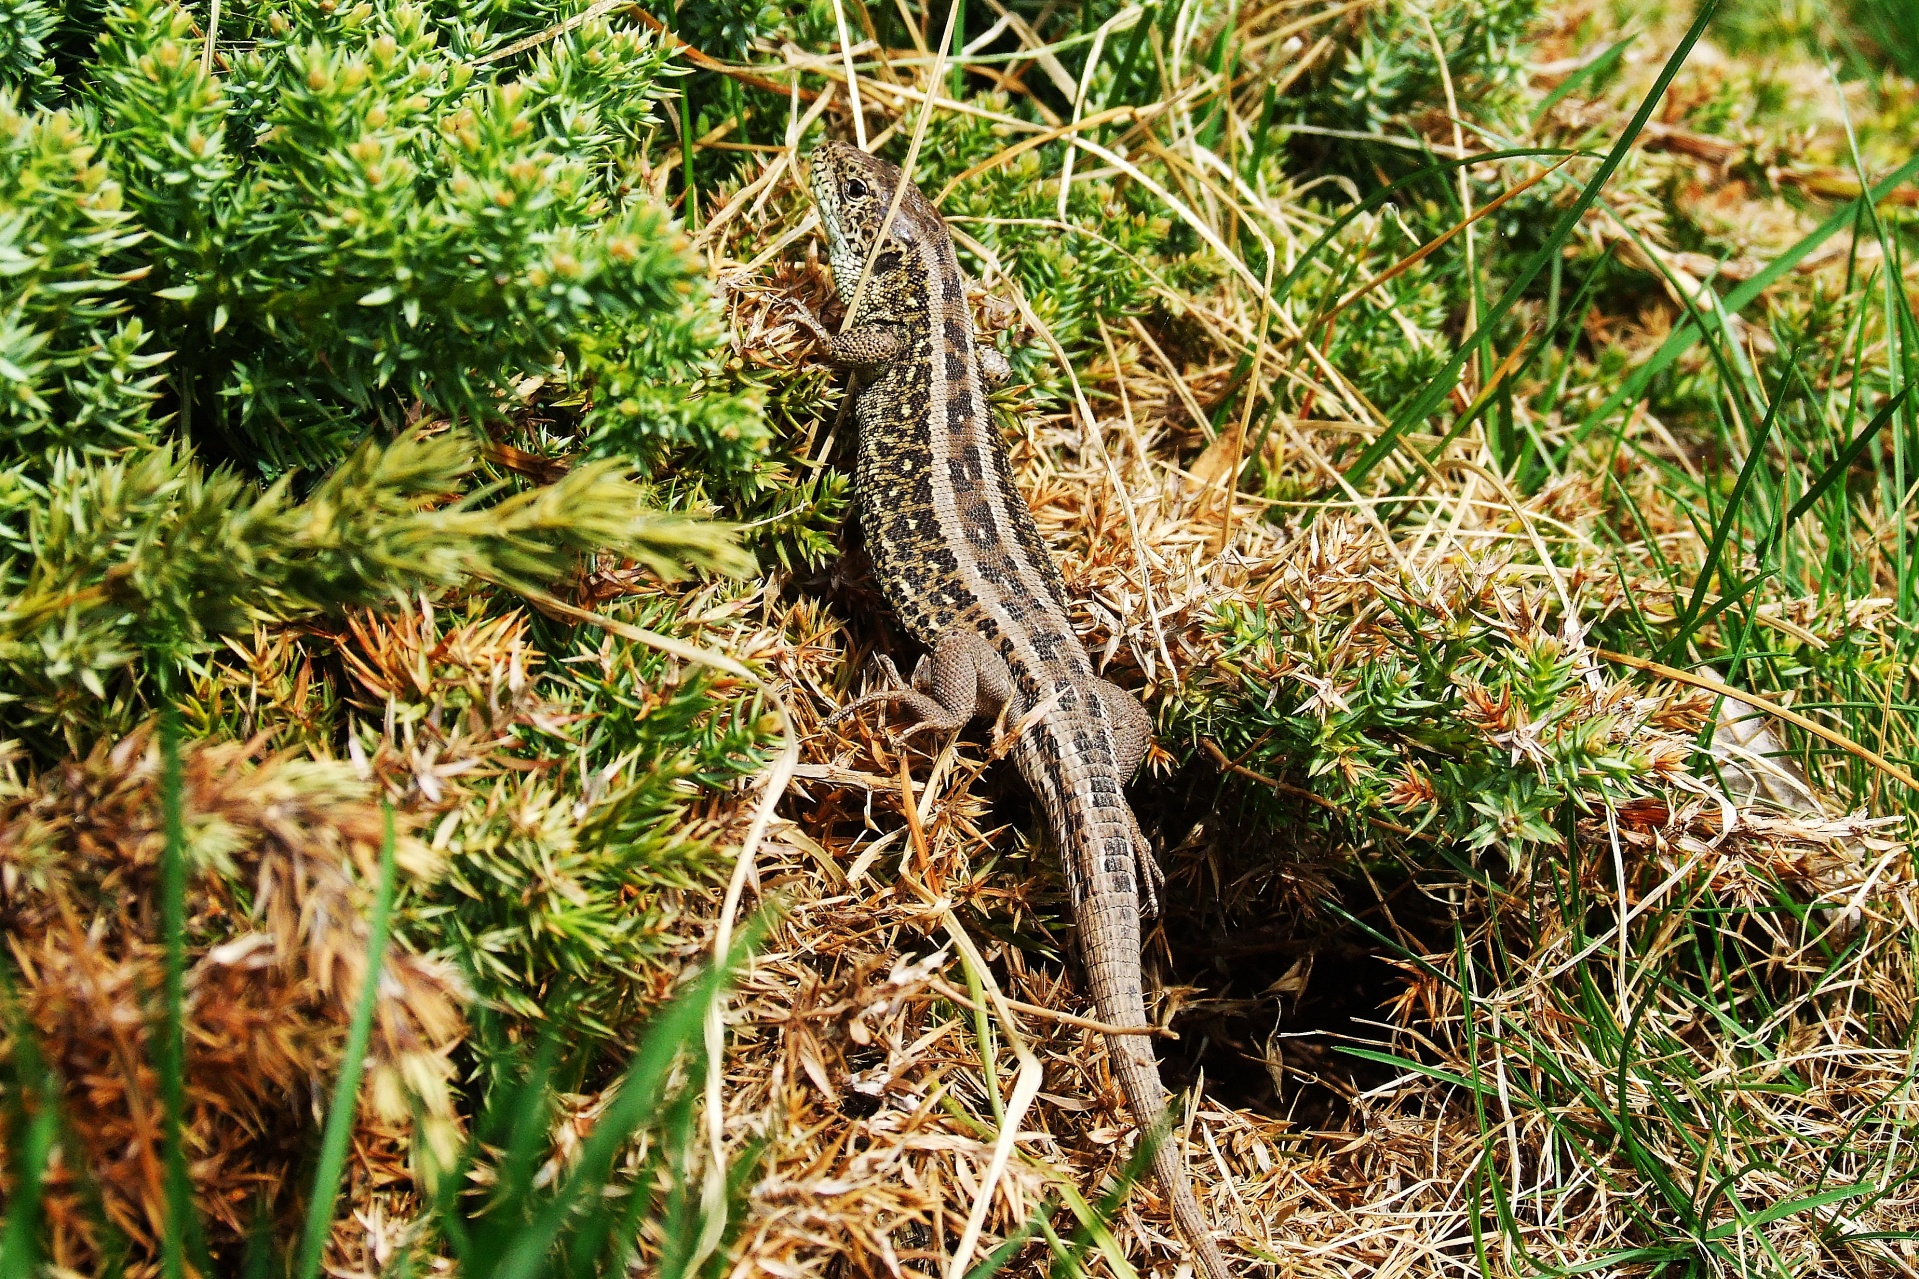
(273, 300)
(222, 270)
(357, 218)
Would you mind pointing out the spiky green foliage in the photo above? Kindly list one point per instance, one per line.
(266, 312)
(1392, 69)
(727, 28)
(25, 29)
(75, 371)
(355, 218)
(1449, 708)
(560, 902)
(153, 554)
(350, 227)
(262, 857)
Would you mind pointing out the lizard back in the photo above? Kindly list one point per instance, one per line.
(932, 473)
(958, 556)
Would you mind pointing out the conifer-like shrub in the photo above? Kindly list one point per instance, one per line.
(351, 229)
(355, 218)
(275, 303)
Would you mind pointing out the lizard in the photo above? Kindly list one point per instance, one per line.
(959, 558)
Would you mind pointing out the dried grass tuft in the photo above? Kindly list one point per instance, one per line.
(281, 853)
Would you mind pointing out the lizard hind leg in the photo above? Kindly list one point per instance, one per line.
(964, 676)
(1130, 724)
(1151, 877)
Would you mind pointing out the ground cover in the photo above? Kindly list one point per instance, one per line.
(1481, 433)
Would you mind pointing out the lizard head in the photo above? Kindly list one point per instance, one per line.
(853, 191)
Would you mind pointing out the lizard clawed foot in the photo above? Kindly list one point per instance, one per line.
(811, 323)
(900, 739)
(895, 688)
(859, 704)
(1151, 880)
(1151, 877)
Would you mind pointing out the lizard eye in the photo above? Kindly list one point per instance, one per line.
(855, 189)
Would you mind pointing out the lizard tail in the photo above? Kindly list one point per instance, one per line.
(1116, 995)
(1079, 786)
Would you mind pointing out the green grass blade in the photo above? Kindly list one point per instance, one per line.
(679, 1220)
(956, 78)
(1847, 456)
(1093, 1230)
(1121, 83)
(997, 1260)
(1686, 333)
(36, 1128)
(346, 1088)
(1415, 1067)
(1786, 1208)
(171, 1054)
(673, 1030)
(1711, 565)
(20, 1234)
(262, 1259)
(523, 1135)
(690, 203)
(1597, 69)
(1262, 133)
(1386, 193)
(1441, 384)
(1730, 598)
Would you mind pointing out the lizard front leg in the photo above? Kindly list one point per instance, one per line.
(865, 346)
(869, 346)
(965, 677)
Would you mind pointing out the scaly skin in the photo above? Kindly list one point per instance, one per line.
(958, 557)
